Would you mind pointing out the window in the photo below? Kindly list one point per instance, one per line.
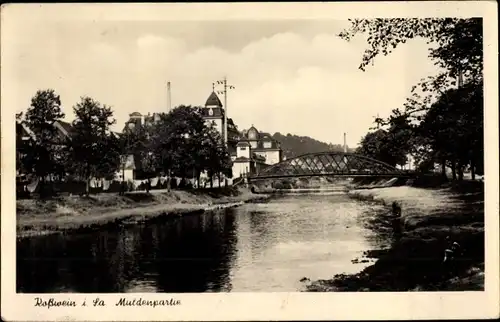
(243, 148)
(267, 145)
(252, 135)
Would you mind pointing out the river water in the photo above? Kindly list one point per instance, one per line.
(265, 247)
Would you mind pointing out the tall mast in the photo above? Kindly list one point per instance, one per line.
(225, 110)
(226, 87)
(345, 143)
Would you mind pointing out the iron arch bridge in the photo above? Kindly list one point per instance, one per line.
(329, 164)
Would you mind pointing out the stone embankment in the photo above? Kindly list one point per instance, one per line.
(446, 220)
(38, 217)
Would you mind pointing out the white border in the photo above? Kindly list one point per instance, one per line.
(263, 306)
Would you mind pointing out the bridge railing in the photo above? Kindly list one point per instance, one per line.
(329, 164)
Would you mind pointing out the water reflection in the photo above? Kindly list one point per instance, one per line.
(257, 247)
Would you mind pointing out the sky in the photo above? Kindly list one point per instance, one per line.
(290, 75)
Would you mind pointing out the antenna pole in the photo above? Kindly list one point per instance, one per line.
(225, 111)
(226, 87)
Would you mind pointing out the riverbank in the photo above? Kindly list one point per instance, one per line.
(37, 217)
(432, 220)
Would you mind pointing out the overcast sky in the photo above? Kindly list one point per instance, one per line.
(290, 76)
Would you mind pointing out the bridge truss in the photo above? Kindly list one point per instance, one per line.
(329, 164)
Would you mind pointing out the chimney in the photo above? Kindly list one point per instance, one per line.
(169, 98)
(345, 143)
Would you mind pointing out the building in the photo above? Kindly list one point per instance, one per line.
(251, 151)
(264, 145)
(255, 152)
(213, 113)
(137, 120)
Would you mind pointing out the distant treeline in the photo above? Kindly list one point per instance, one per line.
(294, 145)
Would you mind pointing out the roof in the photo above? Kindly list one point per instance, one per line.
(136, 114)
(23, 131)
(66, 127)
(243, 143)
(242, 159)
(213, 100)
(136, 124)
(215, 112)
(253, 129)
(259, 157)
(261, 137)
(260, 144)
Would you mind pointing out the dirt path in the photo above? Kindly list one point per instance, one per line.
(432, 220)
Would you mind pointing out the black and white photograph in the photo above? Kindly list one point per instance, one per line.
(194, 154)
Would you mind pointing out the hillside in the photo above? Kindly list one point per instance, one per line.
(294, 145)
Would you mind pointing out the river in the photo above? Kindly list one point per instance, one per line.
(265, 247)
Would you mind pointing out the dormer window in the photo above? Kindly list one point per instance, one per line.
(267, 145)
(210, 111)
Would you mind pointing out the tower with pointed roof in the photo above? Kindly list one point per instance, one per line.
(213, 113)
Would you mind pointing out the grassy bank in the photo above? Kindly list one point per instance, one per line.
(74, 212)
(432, 219)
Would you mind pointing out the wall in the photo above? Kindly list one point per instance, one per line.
(262, 154)
(253, 144)
(240, 168)
(272, 157)
(243, 153)
(129, 174)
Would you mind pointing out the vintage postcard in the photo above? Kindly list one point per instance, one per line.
(249, 161)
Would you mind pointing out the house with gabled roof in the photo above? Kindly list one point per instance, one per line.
(65, 132)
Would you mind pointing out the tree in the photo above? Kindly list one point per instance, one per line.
(458, 50)
(94, 151)
(454, 129)
(136, 142)
(215, 156)
(459, 41)
(183, 145)
(294, 145)
(45, 150)
(374, 145)
(390, 146)
(149, 166)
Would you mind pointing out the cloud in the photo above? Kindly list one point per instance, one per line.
(307, 84)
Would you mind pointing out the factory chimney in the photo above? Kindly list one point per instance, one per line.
(169, 98)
